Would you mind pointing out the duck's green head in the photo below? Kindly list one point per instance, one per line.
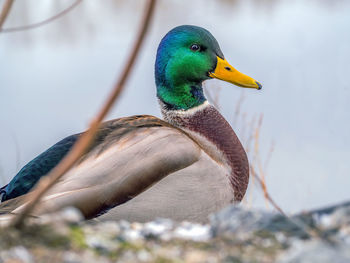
(187, 56)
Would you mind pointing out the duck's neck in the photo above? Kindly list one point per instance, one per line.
(181, 96)
(209, 128)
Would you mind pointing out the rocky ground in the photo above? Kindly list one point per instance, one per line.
(233, 235)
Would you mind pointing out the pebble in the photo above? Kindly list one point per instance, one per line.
(315, 251)
(192, 231)
(68, 215)
(18, 254)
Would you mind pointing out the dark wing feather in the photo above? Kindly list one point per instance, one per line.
(30, 174)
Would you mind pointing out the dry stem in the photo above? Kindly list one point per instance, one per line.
(42, 23)
(266, 193)
(5, 11)
(84, 141)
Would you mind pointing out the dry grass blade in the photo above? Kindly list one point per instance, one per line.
(42, 23)
(82, 144)
(5, 11)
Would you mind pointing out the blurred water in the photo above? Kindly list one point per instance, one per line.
(54, 78)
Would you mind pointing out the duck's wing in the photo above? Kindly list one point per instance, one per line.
(29, 175)
(129, 156)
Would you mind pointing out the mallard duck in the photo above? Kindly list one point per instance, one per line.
(183, 167)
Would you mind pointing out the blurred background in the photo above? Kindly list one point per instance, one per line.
(53, 79)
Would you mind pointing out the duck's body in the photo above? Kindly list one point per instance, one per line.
(203, 187)
(138, 168)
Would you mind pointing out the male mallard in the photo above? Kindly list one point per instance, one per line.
(183, 167)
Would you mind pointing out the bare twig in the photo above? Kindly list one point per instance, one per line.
(257, 158)
(42, 23)
(312, 231)
(5, 11)
(256, 162)
(247, 128)
(268, 156)
(266, 193)
(257, 137)
(254, 128)
(82, 144)
(250, 127)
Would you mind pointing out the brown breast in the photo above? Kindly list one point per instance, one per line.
(209, 123)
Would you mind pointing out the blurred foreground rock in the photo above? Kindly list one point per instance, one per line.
(234, 235)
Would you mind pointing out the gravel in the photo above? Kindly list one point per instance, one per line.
(235, 234)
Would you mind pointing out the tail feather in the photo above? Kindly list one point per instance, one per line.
(2, 192)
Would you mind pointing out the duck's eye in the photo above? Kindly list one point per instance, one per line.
(195, 47)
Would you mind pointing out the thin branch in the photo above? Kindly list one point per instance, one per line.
(250, 138)
(257, 138)
(269, 154)
(42, 23)
(5, 11)
(266, 193)
(312, 231)
(83, 143)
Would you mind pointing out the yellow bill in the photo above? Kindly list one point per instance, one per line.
(226, 72)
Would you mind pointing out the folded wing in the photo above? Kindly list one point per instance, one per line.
(133, 154)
